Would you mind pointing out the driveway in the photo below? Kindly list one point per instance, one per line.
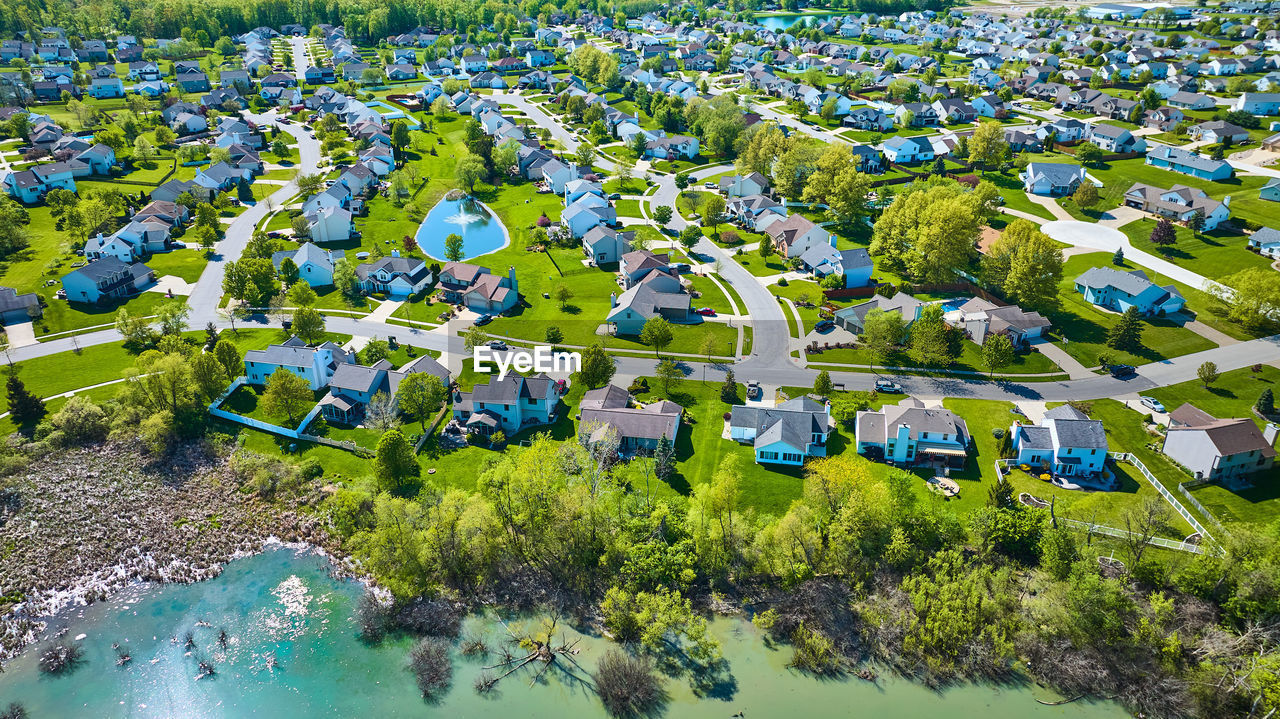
(1118, 217)
(1108, 239)
(21, 334)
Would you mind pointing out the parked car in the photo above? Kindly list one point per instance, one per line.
(710, 185)
(824, 326)
(705, 311)
(484, 320)
(754, 390)
(1151, 403)
(884, 385)
(498, 345)
(615, 196)
(1120, 371)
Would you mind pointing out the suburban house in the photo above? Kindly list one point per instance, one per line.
(477, 289)
(315, 365)
(908, 149)
(1222, 450)
(30, 185)
(1116, 139)
(1271, 190)
(1188, 163)
(1065, 442)
(315, 265)
(1179, 203)
(786, 434)
(395, 275)
(1052, 178)
(507, 405)
(744, 185)
(909, 433)
(637, 264)
(329, 224)
(638, 428)
(105, 280)
(671, 148)
(793, 235)
(853, 265)
(981, 319)
(1118, 291)
(604, 245)
(851, 318)
(751, 210)
(353, 386)
(1218, 131)
(17, 308)
(656, 294)
(1266, 241)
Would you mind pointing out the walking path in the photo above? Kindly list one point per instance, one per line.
(1108, 239)
(1052, 206)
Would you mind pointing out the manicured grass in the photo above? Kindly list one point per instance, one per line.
(63, 316)
(1214, 255)
(627, 208)
(1014, 196)
(187, 264)
(1233, 395)
(1084, 327)
(970, 359)
(711, 295)
(759, 266)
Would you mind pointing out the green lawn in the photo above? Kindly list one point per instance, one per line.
(187, 264)
(1083, 327)
(761, 266)
(1014, 196)
(1214, 255)
(627, 208)
(711, 295)
(1233, 395)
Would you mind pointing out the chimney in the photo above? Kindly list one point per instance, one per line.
(511, 274)
(1226, 201)
(613, 299)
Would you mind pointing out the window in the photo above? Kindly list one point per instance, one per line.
(768, 455)
(532, 401)
(792, 457)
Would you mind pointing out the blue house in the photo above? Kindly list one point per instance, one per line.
(1118, 291)
(1188, 163)
(909, 434)
(315, 265)
(509, 404)
(1066, 442)
(786, 434)
(105, 280)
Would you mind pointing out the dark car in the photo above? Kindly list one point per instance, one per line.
(1121, 371)
(615, 196)
(824, 326)
(484, 319)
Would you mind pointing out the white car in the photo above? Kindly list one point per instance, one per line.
(1151, 403)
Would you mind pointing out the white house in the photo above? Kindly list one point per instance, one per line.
(1065, 442)
(316, 365)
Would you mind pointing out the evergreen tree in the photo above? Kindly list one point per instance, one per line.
(729, 390)
(1127, 332)
(24, 407)
(822, 386)
(1000, 495)
(663, 465)
(1118, 257)
(1266, 403)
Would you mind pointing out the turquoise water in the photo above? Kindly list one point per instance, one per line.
(481, 231)
(782, 22)
(284, 604)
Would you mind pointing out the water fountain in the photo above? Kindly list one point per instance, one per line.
(482, 232)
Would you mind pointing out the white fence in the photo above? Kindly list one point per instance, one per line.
(1164, 492)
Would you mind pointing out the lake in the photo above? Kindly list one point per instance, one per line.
(782, 22)
(482, 232)
(285, 604)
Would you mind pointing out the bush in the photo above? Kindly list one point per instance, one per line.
(60, 658)
(373, 617)
(997, 432)
(782, 282)
(814, 652)
(431, 666)
(627, 685)
(310, 468)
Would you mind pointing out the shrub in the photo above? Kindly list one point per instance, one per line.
(310, 468)
(373, 617)
(814, 652)
(59, 658)
(431, 666)
(782, 282)
(627, 685)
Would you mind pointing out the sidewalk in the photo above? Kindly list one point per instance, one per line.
(1069, 364)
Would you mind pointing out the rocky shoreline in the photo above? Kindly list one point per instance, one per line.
(81, 524)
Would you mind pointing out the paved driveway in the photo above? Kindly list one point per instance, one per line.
(1109, 239)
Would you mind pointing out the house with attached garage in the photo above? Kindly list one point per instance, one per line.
(907, 150)
(1065, 442)
(1116, 139)
(315, 365)
(751, 210)
(911, 434)
(786, 434)
(793, 235)
(1177, 159)
(508, 405)
(743, 185)
(1228, 451)
(980, 319)
(639, 428)
(1258, 103)
(851, 318)
(134, 241)
(637, 264)
(1118, 291)
(1179, 203)
(1218, 131)
(672, 148)
(1052, 179)
(659, 293)
(477, 289)
(353, 386)
(105, 280)
(105, 88)
(30, 185)
(315, 265)
(854, 266)
(395, 275)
